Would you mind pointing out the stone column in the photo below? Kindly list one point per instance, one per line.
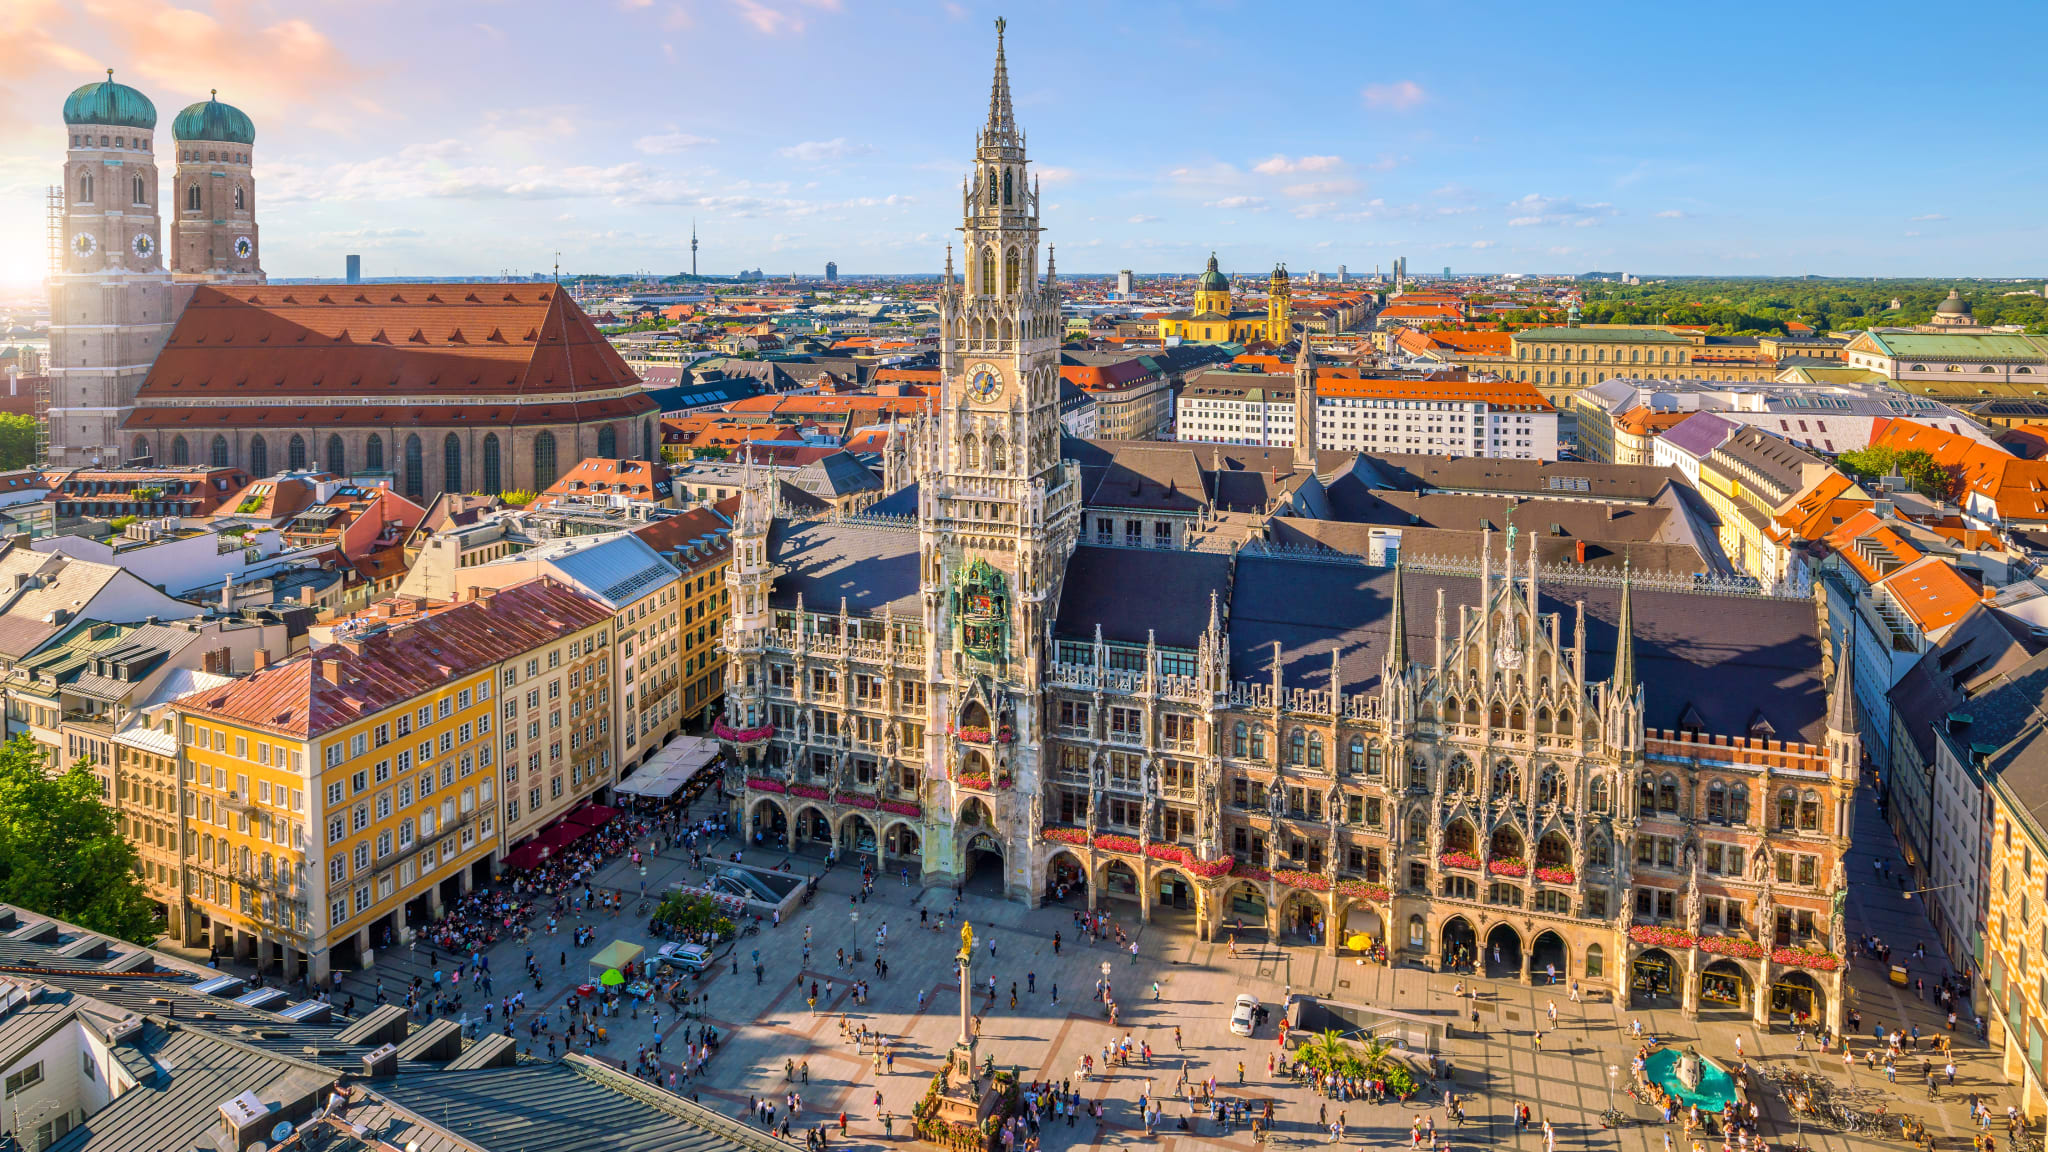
(1145, 882)
(1760, 1011)
(1689, 995)
(1332, 930)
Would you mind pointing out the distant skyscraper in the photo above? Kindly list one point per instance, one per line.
(1125, 282)
(355, 269)
(1447, 271)
(831, 272)
(1342, 272)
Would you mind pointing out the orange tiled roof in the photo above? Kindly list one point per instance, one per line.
(1932, 592)
(1819, 510)
(1641, 421)
(1509, 395)
(2017, 488)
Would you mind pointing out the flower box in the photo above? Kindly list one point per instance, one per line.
(856, 800)
(762, 784)
(1110, 842)
(972, 734)
(724, 731)
(1172, 853)
(809, 791)
(1005, 736)
(1377, 893)
(1661, 937)
(1075, 836)
(1805, 958)
(1734, 946)
(1211, 869)
(1247, 872)
(1459, 860)
(1295, 878)
(1556, 875)
(978, 781)
(903, 807)
(1507, 866)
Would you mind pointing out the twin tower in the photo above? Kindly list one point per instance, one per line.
(112, 299)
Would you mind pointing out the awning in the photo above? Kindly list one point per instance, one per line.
(616, 955)
(665, 774)
(591, 818)
(525, 856)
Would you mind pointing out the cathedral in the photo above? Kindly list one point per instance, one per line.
(1211, 319)
(1546, 773)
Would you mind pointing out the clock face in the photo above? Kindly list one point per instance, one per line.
(984, 384)
(243, 247)
(142, 245)
(84, 244)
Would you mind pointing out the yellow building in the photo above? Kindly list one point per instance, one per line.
(699, 544)
(2012, 996)
(1212, 320)
(336, 797)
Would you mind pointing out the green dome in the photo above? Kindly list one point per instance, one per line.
(213, 120)
(106, 102)
(1212, 280)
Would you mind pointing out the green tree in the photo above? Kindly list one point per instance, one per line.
(61, 852)
(18, 442)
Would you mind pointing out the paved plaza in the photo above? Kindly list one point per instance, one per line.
(767, 1022)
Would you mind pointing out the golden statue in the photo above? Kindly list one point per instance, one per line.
(966, 938)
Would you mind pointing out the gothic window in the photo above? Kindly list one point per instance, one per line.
(1238, 740)
(451, 464)
(85, 188)
(1717, 802)
(192, 198)
(1646, 794)
(970, 451)
(1011, 271)
(1315, 750)
(1809, 812)
(141, 449)
(998, 458)
(1006, 187)
(988, 272)
(1549, 786)
(992, 181)
(219, 452)
(415, 466)
(1506, 782)
(259, 457)
(607, 442)
(984, 611)
(141, 191)
(181, 453)
(1738, 805)
(241, 200)
(1355, 761)
(1596, 799)
(373, 453)
(543, 461)
(492, 486)
(1461, 776)
(1667, 793)
(1258, 743)
(337, 456)
(295, 453)
(1297, 745)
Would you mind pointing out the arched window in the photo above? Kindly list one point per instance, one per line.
(85, 188)
(219, 452)
(1596, 795)
(192, 198)
(1258, 743)
(259, 457)
(543, 461)
(1315, 750)
(1809, 812)
(988, 279)
(1667, 793)
(1717, 802)
(1006, 187)
(451, 463)
(1646, 794)
(970, 451)
(141, 191)
(492, 485)
(337, 456)
(1596, 962)
(1738, 805)
(1012, 271)
(1297, 746)
(181, 452)
(998, 456)
(373, 453)
(607, 442)
(415, 464)
(1355, 759)
(295, 453)
(1238, 740)
(1506, 781)
(992, 181)
(241, 200)
(141, 447)
(1788, 808)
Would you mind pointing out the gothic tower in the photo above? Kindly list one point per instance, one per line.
(110, 303)
(215, 196)
(999, 512)
(1307, 424)
(1280, 307)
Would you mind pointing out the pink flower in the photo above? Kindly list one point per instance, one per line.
(1459, 860)
(761, 784)
(1556, 875)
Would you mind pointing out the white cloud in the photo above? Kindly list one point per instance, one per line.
(1052, 176)
(1218, 173)
(1282, 165)
(1533, 210)
(817, 151)
(1141, 218)
(1911, 234)
(1400, 95)
(1671, 214)
(1249, 203)
(1482, 244)
(1387, 162)
(1315, 189)
(668, 142)
(1928, 216)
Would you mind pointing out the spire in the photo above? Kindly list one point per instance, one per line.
(1051, 266)
(1842, 694)
(1625, 640)
(1002, 121)
(1397, 626)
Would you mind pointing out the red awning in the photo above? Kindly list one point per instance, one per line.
(525, 856)
(594, 816)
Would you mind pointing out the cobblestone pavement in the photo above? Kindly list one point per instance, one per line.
(767, 1022)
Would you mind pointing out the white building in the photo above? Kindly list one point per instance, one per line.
(1830, 418)
(1375, 414)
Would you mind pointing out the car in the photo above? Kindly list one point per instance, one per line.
(690, 957)
(1245, 1017)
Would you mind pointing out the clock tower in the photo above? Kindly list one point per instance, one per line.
(999, 513)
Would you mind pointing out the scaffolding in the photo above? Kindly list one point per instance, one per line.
(53, 229)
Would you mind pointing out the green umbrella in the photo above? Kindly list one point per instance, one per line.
(612, 978)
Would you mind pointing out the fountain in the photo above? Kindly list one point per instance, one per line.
(1691, 1078)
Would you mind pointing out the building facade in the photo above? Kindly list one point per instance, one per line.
(1461, 763)
(1370, 414)
(216, 240)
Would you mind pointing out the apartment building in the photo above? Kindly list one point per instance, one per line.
(698, 544)
(1410, 414)
(334, 798)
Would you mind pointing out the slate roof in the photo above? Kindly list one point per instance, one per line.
(837, 475)
(1699, 434)
(870, 566)
(1136, 592)
(1984, 646)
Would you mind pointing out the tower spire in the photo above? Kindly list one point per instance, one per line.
(1397, 626)
(1625, 640)
(1002, 121)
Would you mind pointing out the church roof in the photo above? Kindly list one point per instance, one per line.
(105, 102)
(213, 120)
(869, 566)
(1213, 280)
(1138, 593)
(518, 342)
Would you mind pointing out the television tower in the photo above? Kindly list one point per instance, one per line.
(693, 248)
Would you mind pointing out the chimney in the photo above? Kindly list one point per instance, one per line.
(330, 671)
(472, 594)
(382, 1062)
(227, 593)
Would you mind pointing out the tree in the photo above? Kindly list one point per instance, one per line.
(18, 442)
(61, 851)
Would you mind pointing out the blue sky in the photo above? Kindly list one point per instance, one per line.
(467, 138)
